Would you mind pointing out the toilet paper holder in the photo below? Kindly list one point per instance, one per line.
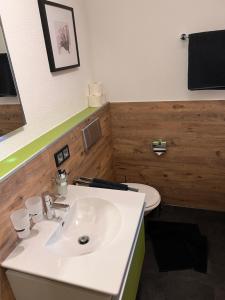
(159, 147)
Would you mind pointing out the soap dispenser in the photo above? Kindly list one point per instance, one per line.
(61, 183)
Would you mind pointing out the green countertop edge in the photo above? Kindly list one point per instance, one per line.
(12, 162)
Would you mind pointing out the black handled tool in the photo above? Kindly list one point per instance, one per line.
(101, 183)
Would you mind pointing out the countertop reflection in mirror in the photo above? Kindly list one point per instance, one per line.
(11, 110)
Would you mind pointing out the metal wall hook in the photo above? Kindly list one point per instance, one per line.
(184, 36)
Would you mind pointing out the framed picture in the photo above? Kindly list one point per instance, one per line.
(59, 29)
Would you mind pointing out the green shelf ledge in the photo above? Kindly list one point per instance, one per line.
(15, 160)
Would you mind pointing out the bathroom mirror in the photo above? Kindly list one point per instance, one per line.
(11, 110)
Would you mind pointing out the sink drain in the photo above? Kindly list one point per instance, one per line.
(83, 240)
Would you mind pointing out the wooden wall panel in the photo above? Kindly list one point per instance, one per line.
(36, 177)
(192, 172)
(11, 117)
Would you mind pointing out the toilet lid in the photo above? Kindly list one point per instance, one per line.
(152, 197)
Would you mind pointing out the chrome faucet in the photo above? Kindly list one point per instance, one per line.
(50, 205)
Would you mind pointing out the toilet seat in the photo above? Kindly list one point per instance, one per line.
(152, 198)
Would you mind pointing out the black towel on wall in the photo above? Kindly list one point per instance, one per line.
(7, 87)
(206, 64)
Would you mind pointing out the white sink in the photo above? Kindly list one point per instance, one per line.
(90, 224)
(109, 218)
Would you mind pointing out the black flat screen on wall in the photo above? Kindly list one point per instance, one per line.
(206, 65)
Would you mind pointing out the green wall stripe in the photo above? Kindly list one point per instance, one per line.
(18, 158)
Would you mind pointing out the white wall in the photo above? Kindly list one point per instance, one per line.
(48, 99)
(136, 48)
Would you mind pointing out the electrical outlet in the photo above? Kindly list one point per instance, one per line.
(66, 152)
(62, 155)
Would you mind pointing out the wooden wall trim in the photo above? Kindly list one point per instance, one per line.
(192, 173)
(11, 118)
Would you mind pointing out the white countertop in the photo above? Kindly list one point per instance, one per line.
(102, 270)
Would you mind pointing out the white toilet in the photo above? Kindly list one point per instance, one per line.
(152, 198)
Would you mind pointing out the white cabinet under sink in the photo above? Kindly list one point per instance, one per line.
(27, 287)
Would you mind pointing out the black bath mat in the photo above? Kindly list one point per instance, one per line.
(178, 246)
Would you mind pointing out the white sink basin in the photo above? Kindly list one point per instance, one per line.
(90, 224)
(109, 218)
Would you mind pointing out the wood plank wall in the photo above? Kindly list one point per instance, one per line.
(192, 173)
(36, 177)
(11, 117)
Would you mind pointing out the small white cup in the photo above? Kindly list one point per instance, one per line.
(21, 222)
(35, 208)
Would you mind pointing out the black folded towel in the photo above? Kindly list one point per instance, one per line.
(7, 87)
(206, 60)
(104, 184)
